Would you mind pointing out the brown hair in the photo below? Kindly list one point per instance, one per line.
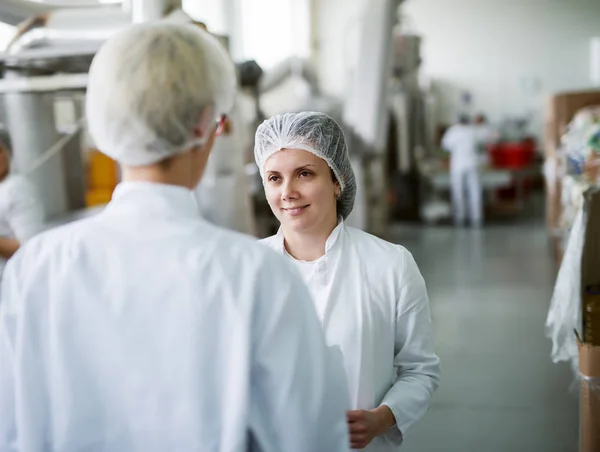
(5, 142)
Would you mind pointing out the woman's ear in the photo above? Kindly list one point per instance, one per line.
(204, 128)
(338, 190)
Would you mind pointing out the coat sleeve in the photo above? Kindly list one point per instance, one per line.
(25, 213)
(418, 367)
(299, 395)
(8, 319)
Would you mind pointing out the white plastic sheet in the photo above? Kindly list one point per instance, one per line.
(564, 316)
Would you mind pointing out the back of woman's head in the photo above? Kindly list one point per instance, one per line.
(149, 88)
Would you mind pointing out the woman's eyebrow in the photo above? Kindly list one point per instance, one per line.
(305, 166)
(297, 169)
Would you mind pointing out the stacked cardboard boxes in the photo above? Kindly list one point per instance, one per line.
(564, 196)
(589, 346)
(560, 110)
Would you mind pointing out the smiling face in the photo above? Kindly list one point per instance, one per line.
(301, 191)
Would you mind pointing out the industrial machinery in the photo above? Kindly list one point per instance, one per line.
(384, 115)
(389, 118)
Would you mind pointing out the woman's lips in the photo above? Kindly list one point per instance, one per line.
(295, 211)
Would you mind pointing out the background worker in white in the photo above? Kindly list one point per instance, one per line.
(21, 212)
(369, 293)
(145, 328)
(462, 141)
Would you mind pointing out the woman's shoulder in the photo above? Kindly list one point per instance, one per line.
(17, 182)
(272, 242)
(16, 190)
(393, 266)
(376, 246)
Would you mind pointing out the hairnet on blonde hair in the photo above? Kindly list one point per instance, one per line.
(313, 132)
(150, 86)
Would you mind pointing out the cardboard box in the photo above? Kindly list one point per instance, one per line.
(590, 255)
(589, 368)
(560, 110)
(589, 354)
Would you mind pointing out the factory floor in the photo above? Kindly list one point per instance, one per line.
(489, 291)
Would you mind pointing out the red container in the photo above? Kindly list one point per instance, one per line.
(512, 154)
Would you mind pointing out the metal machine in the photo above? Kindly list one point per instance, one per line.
(388, 117)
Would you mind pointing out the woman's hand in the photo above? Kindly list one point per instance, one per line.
(365, 426)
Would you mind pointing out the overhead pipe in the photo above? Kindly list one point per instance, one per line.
(14, 12)
(68, 27)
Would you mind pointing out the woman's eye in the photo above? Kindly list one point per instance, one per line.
(273, 178)
(305, 174)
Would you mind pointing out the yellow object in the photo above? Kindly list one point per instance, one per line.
(98, 197)
(103, 177)
(102, 171)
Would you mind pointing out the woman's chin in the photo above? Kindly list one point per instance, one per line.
(296, 224)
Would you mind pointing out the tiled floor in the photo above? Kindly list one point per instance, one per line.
(489, 292)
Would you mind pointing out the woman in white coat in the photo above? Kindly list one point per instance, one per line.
(144, 328)
(368, 293)
(21, 212)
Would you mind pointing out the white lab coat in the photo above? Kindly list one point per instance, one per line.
(21, 212)
(462, 141)
(373, 304)
(145, 328)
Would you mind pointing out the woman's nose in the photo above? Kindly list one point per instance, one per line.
(289, 191)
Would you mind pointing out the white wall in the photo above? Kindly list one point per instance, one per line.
(510, 54)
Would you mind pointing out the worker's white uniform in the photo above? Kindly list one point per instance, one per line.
(462, 141)
(21, 212)
(373, 303)
(145, 328)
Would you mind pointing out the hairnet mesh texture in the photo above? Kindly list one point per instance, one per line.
(313, 132)
(149, 88)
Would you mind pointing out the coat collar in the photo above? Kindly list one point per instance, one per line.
(152, 199)
(332, 240)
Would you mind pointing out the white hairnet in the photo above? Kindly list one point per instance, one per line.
(316, 133)
(149, 87)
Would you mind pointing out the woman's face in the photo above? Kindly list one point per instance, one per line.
(301, 191)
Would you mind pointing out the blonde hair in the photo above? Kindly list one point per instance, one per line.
(151, 85)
